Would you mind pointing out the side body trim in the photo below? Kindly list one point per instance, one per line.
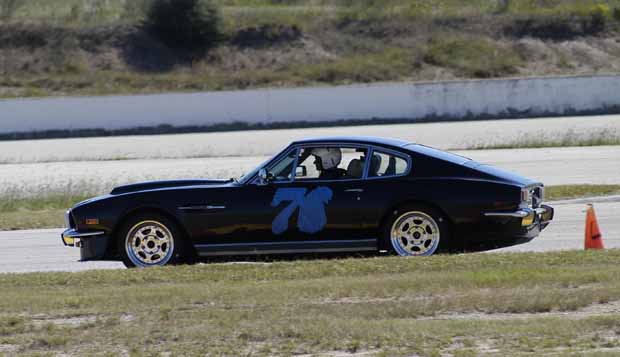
(321, 246)
(201, 208)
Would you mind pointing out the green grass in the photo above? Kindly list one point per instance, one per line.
(342, 41)
(106, 11)
(28, 219)
(48, 211)
(571, 138)
(35, 213)
(371, 67)
(473, 57)
(50, 201)
(576, 191)
(383, 305)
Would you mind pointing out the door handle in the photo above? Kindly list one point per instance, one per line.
(356, 190)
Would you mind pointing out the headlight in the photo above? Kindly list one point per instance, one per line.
(526, 197)
(68, 219)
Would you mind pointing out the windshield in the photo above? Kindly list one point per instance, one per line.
(252, 173)
(248, 176)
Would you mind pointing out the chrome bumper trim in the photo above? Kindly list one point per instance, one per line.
(541, 210)
(68, 219)
(72, 238)
(516, 214)
(524, 212)
(527, 215)
(72, 233)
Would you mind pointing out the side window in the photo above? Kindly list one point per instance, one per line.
(385, 165)
(330, 163)
(283, 169)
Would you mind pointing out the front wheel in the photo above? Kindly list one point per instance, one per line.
(416, 230)
(149, 240)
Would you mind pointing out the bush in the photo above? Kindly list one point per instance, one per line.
(8, 8)
(473, 57)
(186, 24)
(135, 9)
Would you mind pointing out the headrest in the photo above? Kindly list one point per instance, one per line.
(375, 164)
(355, 169)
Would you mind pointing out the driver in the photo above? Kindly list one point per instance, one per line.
(327, 161)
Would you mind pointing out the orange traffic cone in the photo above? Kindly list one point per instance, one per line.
(594, 240)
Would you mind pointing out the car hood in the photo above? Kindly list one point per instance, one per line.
(494, 173)
(154, 185)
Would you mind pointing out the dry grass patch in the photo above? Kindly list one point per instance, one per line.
(576, 191)
(71, 47)
(570, 138)
(314, 306)
(473, 56)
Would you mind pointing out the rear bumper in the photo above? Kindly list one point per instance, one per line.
(542, 215)
(507, 228)
(92, 245)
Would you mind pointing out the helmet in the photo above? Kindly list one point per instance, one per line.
(330, 157)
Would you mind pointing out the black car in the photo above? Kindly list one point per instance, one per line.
(340, 194)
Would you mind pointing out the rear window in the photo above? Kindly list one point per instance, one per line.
(438, 154)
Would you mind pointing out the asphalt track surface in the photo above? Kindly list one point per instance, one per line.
(42, 250)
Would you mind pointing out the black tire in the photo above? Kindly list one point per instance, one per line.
(155, 226)
(428, 231)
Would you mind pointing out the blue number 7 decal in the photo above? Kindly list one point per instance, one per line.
(312, 217)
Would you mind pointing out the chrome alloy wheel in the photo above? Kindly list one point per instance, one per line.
(149, 243)
(415, 234)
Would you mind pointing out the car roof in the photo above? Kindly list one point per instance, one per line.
(355, 139)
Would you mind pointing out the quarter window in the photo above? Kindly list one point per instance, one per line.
(385, 165)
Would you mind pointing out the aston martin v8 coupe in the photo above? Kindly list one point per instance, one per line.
(339, 194)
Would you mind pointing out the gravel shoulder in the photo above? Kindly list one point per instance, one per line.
(446, 135)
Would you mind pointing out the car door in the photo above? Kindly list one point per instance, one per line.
(285, 214)
(316, 211)
(316, 206)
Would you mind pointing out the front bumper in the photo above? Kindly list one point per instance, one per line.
(92, 245)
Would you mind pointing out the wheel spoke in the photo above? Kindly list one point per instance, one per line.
(415, 233)
(149, 243)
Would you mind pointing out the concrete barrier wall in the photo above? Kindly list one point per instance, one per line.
(414, 101)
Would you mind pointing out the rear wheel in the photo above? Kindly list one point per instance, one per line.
(416, 230)
(149, 240)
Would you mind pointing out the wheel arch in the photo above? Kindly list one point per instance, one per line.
(398, 205)
(111, 249)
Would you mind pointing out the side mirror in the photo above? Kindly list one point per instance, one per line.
(264, 176)
(301, 171)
